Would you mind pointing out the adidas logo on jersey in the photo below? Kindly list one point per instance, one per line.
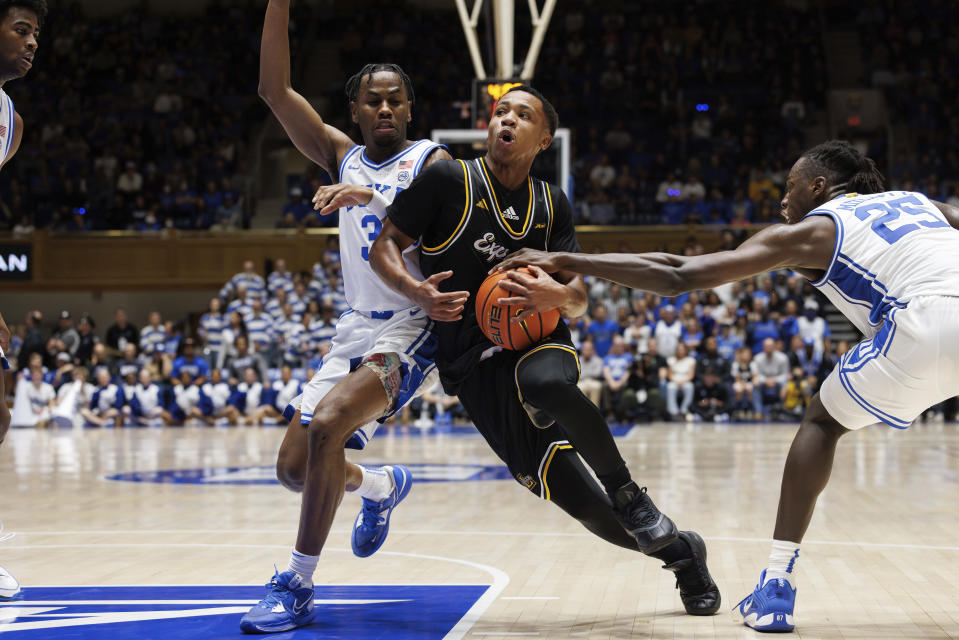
(509, 214)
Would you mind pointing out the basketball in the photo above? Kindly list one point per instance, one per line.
(493, 318)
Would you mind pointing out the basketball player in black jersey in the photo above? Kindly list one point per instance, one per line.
(469, 216)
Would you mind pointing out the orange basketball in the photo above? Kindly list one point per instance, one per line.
(493, 317)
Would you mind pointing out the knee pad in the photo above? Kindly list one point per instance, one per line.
(388, 367)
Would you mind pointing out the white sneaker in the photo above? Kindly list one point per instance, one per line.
(9, 587)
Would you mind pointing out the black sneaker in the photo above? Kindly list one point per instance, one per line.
(640, 517)
(698, 591)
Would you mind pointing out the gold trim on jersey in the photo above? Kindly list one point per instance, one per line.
(519, 394)
(551, 346)
(549, 211)
(544, 465)
(504, 222)
(467, 188)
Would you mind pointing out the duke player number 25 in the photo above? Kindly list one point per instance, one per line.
(890, 211)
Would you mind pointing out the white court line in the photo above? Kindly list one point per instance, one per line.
(422, 532)
(500, 578)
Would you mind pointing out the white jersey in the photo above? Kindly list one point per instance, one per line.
(186, 397)
(7, 125)
(219, 394)
(360, 225)
(146, 400)
(40, 397)
(890, 248)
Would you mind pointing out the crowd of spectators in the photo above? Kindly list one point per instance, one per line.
(147, 130)
(754, 350)
(244, 359)
(670, 121)
(908, 54)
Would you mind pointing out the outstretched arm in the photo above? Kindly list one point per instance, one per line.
(318, 141)
(807, 244)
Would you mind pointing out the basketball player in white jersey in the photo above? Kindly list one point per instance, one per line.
(383, 348)
(888, 260)
(20, 22)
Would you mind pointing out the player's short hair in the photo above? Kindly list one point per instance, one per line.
(353, 84)
(39, 7)
(844, 164)
(552, 118)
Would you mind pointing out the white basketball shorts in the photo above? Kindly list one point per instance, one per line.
(911, 364)
(408, 333)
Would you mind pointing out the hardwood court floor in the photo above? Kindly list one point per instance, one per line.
(881, 559)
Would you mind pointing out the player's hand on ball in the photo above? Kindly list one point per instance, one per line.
(329, 198)
(534, 293)
(440, 306)
(548, 262)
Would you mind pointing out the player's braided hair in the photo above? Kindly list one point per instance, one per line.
(39, 7)
(552, 118)
(353, 84)
(845, 166)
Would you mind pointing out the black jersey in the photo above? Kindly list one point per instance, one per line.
(467, 222)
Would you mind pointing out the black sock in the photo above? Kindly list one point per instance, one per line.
(615, 480)
(677, 550)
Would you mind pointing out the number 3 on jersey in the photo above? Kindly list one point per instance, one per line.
(892, 210)
(372, 224)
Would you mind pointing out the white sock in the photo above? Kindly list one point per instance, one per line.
(303, 566)
(782, 561)
(377, 483)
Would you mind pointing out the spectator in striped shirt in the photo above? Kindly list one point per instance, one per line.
(319, 275)
(331, 256)
(279, 278)
(298, 342)
(289, 317)
(152, 334)
(316, 288)
(249, 279)
(334, 296)
(259, 328)
(210, 331)
(241, 304)
(299, 298)
(322, 324)
(275, 306)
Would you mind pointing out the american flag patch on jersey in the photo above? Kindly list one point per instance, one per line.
(404, 164)
(3, 131)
